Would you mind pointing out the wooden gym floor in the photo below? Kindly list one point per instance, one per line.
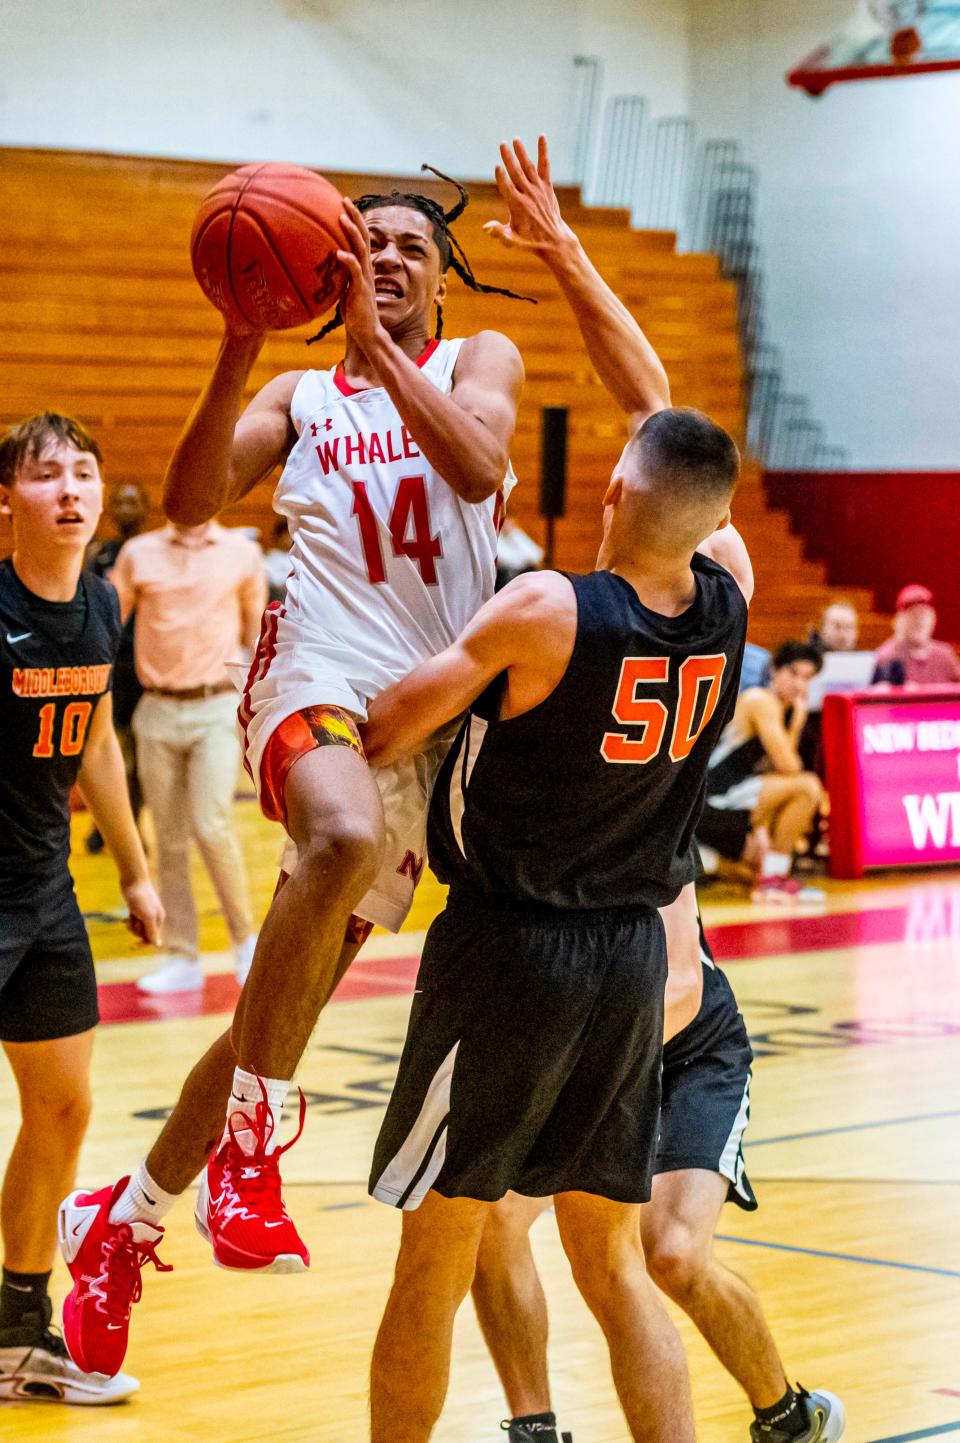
(854, 1148)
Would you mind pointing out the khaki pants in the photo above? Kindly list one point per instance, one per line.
(188, 756)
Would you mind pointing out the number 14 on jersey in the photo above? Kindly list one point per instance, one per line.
(409, 527)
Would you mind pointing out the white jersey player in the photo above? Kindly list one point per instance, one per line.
(394, 466)
(388, 565)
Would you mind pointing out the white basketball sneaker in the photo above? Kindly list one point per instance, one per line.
(180, 974)
(43, 1373)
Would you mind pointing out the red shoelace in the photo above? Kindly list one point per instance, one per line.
(123, 1258)
(259, 1170)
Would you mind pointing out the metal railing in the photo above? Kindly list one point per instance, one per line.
(618, 162)
(706, 193)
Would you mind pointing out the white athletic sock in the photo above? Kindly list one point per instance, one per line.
(142, 1201)
(244, 1096)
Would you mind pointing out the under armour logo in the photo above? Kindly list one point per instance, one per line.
(327, 426)
(411, 866)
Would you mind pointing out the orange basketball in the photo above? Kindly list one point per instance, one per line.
(264, 246)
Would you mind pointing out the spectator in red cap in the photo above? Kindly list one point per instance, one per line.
(911, 656)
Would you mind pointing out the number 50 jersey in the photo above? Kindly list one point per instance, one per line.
(388, 563)
(590, 799)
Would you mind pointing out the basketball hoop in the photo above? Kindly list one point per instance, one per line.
(884, 39)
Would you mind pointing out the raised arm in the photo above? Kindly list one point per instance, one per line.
(221, 454)
(621, 355)
(465, 435)
(728, 547)
(526, 631)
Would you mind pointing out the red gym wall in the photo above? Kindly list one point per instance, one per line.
(880, 529)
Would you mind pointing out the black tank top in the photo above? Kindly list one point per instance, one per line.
(56, 661)
(590, 799)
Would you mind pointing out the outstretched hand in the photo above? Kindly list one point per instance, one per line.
(359, 303)
(535, 222)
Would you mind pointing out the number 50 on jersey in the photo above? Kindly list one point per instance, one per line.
(699, 690)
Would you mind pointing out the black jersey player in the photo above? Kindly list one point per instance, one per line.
(699, 1166)
(59, 630)
(635, 378)
(562, 823)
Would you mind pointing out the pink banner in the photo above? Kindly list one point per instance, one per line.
(907, 755)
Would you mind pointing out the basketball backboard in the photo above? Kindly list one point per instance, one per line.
(884, 39)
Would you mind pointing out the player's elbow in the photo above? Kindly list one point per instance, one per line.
(186, 510)
(189, 500)
(484, 482)
(640, 408)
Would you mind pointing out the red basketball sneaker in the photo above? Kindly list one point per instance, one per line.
(239, 1207)
(105, 1260)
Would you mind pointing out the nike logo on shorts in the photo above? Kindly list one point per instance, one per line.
(22, 637)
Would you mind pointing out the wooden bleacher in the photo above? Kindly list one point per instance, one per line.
(102, 319)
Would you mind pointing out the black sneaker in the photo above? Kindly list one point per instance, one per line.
(533, 1433)
(827, 1419)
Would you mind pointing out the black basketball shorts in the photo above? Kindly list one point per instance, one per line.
(705, 1105)
(532, 1058)
(48, 987)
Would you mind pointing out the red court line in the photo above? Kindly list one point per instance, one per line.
(121, 1002)
(774, 936)
(394, 976)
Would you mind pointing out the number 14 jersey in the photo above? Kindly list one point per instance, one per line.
(388, 563)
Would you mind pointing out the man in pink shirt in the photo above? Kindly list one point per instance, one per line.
(911, 657)
(199, 592)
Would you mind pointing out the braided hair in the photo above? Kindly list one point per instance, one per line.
(451, 252)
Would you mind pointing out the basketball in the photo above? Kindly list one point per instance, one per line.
(264, 246)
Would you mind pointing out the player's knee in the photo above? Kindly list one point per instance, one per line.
(504, 1243)
(599, 1262)
(674, 1259)
(808, 785)
(346, 856)
(59, 1120)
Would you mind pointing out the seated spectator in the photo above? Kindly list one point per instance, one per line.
(276, 561)
(838, 629)
(911, 657)
(760, 800)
